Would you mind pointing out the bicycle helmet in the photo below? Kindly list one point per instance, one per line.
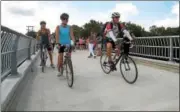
(42, 22)
(64, 16)
(115, 14)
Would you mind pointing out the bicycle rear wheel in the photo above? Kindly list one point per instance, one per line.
(104, 63)
(128, 68)
(69, 72)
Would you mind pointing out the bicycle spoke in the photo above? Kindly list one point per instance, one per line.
(104, 64)
(128, 69)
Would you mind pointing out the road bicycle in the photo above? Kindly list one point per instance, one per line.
(43, 56)
(67, 66)
(126, 64)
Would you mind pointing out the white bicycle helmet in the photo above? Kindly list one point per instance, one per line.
(115, 14)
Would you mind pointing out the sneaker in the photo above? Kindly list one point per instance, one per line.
(52, 65)
(112, 66)
(40, 63)
(59, 74)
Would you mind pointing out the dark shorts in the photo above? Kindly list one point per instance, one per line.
(125, 47)
(62, 49)
(47, 46)
(112, 42)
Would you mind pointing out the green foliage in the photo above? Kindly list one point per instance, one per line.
(31, 34)
(136, 29)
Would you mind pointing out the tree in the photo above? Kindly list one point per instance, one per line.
(136, 29)
(91, 26)
(31, 34)
(77, 31)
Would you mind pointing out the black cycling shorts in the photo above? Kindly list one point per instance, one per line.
(47, 46)
(125, 46)
(62, 48)
(112, 42)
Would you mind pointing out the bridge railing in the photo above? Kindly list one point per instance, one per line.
(157, 47)
(15, 49)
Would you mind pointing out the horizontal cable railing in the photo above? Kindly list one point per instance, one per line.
(15, 49)
(157, 47)
(166, 48)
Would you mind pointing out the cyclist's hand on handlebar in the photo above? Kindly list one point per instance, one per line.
(116, 43)
(131, 44)
(57, 45)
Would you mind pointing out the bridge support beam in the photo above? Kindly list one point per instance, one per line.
(34, 48)
(14, 55)
(29, 50)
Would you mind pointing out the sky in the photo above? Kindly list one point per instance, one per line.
(19, 14)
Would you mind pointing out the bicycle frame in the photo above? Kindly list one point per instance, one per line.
(45, 52)
(67, 52)
(122, 54)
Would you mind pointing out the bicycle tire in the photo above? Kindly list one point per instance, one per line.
(102, 66)
(42, 61)
(69, 63)
(136, 73)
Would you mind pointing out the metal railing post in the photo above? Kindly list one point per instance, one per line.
(29, 50)
(14, 55)
(34, 48)
(170, 49)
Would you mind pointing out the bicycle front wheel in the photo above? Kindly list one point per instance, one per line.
(104, 63)
(43, 61)
(128, 69)
(69, 73)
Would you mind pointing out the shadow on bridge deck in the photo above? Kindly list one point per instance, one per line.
(93, 90)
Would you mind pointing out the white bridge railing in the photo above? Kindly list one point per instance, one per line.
(157, 47)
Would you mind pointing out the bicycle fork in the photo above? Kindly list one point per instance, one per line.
(126, 64)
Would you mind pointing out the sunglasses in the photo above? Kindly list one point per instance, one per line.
(65, 19)
(116, 17)
(43, 24)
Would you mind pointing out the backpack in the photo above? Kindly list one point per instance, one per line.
(104, 26)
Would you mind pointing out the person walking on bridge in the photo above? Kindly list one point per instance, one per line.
(91, 45)
(44, 36)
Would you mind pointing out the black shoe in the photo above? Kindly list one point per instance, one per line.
(40, 64)
(52, 65)
(112, 66)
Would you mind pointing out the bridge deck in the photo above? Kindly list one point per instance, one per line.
(93, 90)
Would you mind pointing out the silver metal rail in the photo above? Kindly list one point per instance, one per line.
(166, 48)
(15, 49)
(158, 47)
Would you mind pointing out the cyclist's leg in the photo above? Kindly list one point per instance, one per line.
(90, 55)
(41, 47)
(91, 49)
(60, 56)
(109, 50)
(110, 47)
(49, 48)
(53, 46)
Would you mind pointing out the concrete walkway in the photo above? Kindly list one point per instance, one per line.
(93, 90)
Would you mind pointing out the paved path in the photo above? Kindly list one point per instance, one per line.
(93, 90)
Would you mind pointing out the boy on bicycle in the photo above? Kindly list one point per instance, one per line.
(110, 32)
(64, 34)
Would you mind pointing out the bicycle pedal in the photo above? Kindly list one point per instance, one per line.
(115, 69)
